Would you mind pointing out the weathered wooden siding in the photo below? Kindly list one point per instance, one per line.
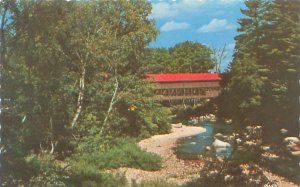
(194, 90)
(192, 84)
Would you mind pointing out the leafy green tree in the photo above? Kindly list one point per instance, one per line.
(73, 68)
(190, 57)
(34, 119)
(157, 60)
(186, 57)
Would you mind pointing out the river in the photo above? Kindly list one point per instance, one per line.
(195, 146)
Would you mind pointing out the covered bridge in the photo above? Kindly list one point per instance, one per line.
(186, 87)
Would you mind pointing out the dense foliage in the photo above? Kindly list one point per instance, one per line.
(186, 57)
(261, 85)
(72, 76)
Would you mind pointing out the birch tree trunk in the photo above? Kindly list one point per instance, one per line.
(80, 98)
(112, 102)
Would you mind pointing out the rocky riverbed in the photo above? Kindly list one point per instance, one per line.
(174, 169)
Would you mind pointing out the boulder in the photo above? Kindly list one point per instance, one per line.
(292, 146)
(291, 140)
(270, 156)
(296, 153)
(250, 143)
(194, 121)
(219, 135)
(266, 148)
(249, 128)
(218, 144)
(223, 152)
(283, 131)
(211, 116)
(258, 127)
(238, 140)
(178, 125)
(224, 138)
(207, 148)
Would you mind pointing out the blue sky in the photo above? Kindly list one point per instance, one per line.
(210, 22)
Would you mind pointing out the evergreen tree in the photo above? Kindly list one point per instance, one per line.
(246, 82)
(262, 84)
(281, 57)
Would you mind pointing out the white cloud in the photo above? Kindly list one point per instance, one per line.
(172, 25)
(167, 9)
(174, 8)
(163, 9)
(216, 25)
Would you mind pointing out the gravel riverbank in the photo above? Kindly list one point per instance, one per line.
(173, 169)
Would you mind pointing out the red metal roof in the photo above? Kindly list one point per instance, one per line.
(177, 77)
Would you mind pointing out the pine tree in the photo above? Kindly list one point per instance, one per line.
(263, 84)
(246, 83)
(281, 57)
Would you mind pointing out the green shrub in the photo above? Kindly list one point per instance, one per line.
(119, 152)
(88, 163)
(125, 152)
(85, 174)
(143, 118)
(45, 172)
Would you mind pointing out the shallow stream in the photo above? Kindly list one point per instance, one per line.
(195, 146)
